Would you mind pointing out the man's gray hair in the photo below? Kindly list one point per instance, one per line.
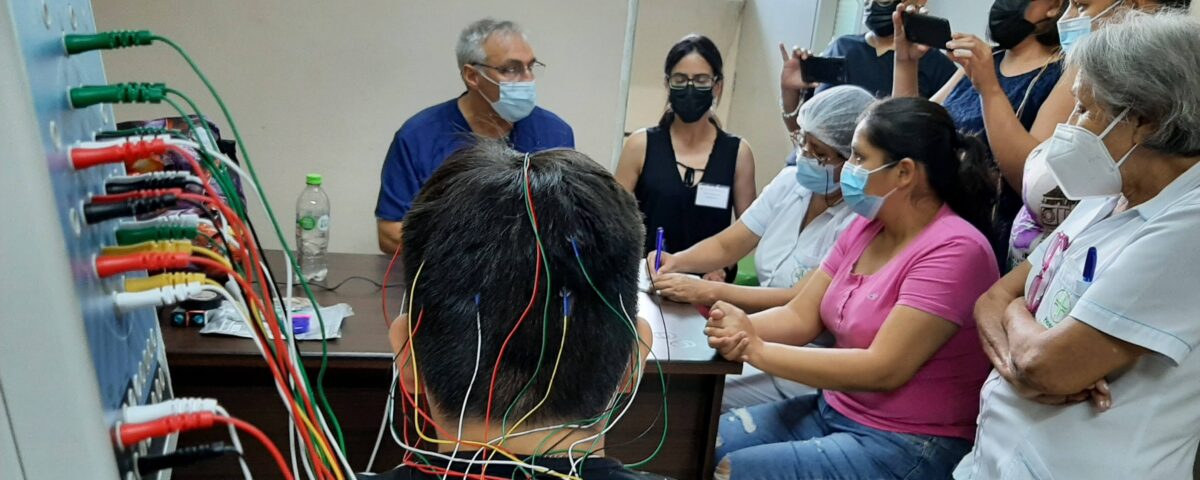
(472, 38)
(1150, 64)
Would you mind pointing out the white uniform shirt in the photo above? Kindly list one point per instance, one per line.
(1146, 291)
(785, 252)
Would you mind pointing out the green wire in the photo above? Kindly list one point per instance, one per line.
(221, 176)
(545, 312)
(278, 232)
(226, 184)
(662, 379)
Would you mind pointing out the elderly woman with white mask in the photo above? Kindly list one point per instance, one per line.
(1092, 337)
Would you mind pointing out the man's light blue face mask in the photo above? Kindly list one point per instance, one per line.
(516, 101)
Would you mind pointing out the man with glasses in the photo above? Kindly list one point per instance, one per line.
(499, 69)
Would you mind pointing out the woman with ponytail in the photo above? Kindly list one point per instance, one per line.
(690, 177)
(901, 385)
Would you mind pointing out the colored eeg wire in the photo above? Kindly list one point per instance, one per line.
(532, 212)
(250, 263)
(462, 413)
(539, 260)
(247, 254)
(261, 273)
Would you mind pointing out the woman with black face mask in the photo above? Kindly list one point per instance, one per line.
(690, 177)
(997, 94)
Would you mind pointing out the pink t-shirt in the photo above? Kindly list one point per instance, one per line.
(941, 272)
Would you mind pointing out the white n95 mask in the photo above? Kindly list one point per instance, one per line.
(1081, 163)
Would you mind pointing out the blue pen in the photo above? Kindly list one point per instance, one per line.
(1089, 266)
(659, 250)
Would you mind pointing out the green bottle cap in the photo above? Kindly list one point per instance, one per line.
(313, 179)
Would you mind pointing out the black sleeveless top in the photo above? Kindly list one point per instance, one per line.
(667, 202)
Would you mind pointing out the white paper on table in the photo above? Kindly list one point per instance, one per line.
(226, 321)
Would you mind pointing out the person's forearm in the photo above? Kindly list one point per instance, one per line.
(781, 325)
(790, 101)
(389, 236)
(989, 320)
(904, 79)
(1001, 122)
(841, 369)
(751, 299)
(706, 256)
(1022, 331)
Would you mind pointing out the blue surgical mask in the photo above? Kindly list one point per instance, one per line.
(854, 190)
(517, 99)
(1073, 30)
(815, 177)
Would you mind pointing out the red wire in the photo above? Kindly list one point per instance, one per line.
(262, 438)
(537, 261)
(252, 262)
(386, 276)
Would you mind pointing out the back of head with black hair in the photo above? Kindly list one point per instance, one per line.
(692, 43)
(469, 234)
(955, 164)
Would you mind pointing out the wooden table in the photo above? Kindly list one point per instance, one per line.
(359, 373)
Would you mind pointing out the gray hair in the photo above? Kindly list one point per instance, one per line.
(1148, 63)
(472, 38)
(832, 115)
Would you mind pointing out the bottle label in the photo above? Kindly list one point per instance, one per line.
(323, 223)
(307, 223)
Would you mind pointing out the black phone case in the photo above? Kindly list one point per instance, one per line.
(927, 30)
(824, 70)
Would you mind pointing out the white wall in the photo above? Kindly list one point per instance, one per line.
(322, 86)
(970, 16)
(754, 113)
(661, 23)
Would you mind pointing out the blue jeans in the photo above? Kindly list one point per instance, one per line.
(803, 438)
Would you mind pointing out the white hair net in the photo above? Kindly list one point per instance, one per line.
(831, 115)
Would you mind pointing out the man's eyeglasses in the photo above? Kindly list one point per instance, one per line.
(515, 71)
(702, 81)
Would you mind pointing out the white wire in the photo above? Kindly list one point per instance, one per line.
(390, 398)
(278, 387)
(535, 468)
(462, 413)
(320, 417)
(637, 383)
(237, 444)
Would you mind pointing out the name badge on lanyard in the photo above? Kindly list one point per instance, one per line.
(712, 196)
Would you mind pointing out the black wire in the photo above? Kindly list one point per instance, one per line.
(347, 279)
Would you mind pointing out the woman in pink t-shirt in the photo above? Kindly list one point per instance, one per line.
(901, 387)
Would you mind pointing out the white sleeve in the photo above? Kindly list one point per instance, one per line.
(764, 209)
(1148, 296)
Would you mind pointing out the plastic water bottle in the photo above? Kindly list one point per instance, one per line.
(312, 229)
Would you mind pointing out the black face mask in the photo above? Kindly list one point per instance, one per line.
(879, 19)
(690, 103)
(1007, 25)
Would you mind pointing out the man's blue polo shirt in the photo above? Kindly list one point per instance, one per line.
(429, 137)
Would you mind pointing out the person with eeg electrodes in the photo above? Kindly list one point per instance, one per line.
(499, 69)
(469, 255)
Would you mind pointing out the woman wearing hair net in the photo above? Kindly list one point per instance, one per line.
(793, 224)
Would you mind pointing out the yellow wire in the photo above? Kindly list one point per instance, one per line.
(322, 445)
(550, 387)
(417, 390)
(212, 255)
